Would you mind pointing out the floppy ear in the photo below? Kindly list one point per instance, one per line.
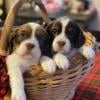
(11, 40)
(75, 35)
(48, 43)
(48, 28)
(80, 39)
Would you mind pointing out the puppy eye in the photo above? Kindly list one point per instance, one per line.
(70, 29)
(23, 34)
(40, 35)
(54, 30)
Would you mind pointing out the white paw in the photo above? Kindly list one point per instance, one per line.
(87, 52)
(18, 94)
(61, 61)
(48, 65)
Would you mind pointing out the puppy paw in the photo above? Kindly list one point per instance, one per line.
(87, 52)
(61, 61)
(48, 65)
(18, 94)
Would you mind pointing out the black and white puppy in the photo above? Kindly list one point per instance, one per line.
(25, 46)
(65, 36)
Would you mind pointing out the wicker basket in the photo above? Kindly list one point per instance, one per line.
(60, 86)
(42, 86)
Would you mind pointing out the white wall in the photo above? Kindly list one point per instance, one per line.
(95, 25)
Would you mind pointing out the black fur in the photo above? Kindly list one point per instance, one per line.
(75, 34)
(43, 39)
(49, 51)
(72, 32)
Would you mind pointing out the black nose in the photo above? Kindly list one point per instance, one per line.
(61, 43)
(30, 46)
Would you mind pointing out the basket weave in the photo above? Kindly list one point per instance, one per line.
(60, 86)
(40, 85)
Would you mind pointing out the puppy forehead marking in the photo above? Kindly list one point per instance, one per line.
(34, 27)
(64, 24)
(25, 28)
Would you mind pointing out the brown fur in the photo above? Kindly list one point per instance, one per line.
(17, 35)
(42, 37)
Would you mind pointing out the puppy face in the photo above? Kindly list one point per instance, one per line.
(27, 40)
(66, 34)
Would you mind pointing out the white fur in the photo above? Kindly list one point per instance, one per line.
(62, 37)
(19, 61)
(87, 52)
(61, 61)
(65, 48)
(48, 65)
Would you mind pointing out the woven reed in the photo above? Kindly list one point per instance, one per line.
(39, 85)
(60, 86)
(42, 86)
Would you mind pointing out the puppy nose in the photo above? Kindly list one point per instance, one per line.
(61, 43)
(30, 46)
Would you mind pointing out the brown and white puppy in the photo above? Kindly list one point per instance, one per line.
(25, 46)
(66, 36)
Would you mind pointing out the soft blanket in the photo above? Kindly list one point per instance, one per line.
(89, 89)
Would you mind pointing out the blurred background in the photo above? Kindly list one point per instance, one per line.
(85, 12)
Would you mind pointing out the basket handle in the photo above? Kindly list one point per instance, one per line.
(43, 11)
(9, 23)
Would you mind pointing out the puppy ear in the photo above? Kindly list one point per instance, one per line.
(11, 42)
(50, 37)
(48, 28)
(75, 35)
(80, 37)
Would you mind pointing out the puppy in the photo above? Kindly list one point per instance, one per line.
(66, 36)
(25, 46)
